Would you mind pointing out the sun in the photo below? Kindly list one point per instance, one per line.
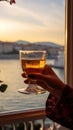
(4, 26)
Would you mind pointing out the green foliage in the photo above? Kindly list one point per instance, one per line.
(3, 87)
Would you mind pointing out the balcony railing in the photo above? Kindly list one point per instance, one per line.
(13, 119)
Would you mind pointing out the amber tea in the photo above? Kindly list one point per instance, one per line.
(36, 64)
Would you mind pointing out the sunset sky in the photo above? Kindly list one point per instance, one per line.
(33, 20)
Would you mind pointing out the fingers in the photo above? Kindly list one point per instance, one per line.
(49, 80)
(37, 76)
(50, 83)
(42, 80)
(23, 75)
(26, 81)
(41, 84)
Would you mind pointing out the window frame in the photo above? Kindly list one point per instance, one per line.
(69, 42)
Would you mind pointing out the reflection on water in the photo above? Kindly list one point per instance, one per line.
(60, 73)
(10, 73)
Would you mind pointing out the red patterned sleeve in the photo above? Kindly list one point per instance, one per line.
(61, 111)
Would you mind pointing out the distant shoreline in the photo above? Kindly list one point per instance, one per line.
(16, 56)
(9, 56)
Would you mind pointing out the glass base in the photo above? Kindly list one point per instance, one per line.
(32, 90)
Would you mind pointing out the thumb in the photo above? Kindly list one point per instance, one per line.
(36, 76)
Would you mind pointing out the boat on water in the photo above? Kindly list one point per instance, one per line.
(59, 61)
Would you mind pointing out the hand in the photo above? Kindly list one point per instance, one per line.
(47, 80)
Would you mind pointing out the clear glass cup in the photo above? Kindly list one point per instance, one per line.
(32, 61)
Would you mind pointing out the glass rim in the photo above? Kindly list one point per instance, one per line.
(44, 51)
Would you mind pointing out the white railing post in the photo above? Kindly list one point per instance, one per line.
(25, 116)
(25, 125)
(43, 125)
(32, 125)
(14, 127)
(2, 127)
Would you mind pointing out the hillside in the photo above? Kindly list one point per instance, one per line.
(44, 43)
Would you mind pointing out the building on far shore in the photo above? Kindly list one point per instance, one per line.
(14, 47)
(9, 47)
